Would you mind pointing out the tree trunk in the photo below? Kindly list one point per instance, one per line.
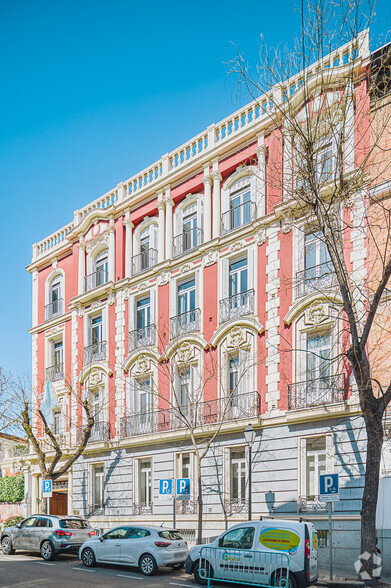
(199, 502)
(374, 429)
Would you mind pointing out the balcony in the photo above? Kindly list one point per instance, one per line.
(237, 217)
(100, 433)
(96, 279)
(55, 308)
(55, 372)
(316, 279)
(144, 261)
(187, 322)
(237, 305)
(95, 510)
(142, 337)
(187, 241)
(317, 392)
(142, 508)
(239, 407)
(95, 352)
(235, 506)
(186, 507)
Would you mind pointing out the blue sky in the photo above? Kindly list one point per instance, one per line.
(93, 92)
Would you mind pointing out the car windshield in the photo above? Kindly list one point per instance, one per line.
(74, 524)
(173, 535)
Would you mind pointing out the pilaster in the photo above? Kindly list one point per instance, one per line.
(169, 206)
(217, 178)
(207, 181)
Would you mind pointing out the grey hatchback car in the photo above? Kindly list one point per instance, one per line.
(48, 534)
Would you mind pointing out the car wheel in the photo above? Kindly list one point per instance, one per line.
(206, 572)
(147, 565)
(6, 546)
(285, 580)
(47, 551)
(88, 557)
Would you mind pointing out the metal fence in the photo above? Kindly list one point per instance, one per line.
(237, 305)
(244, 566)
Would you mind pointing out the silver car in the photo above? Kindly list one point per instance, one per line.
(48, 534)
(134, 545)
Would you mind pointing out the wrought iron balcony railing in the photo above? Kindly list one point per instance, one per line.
(144, 261)
(316, 392)
(187, 241)
(100, 433)
(98, 278)
(237, 217)
(186, 507)
(316, 279)
(142, 508)
(95, 509)
(55, 372)
(187, 322)
(53, 309)
(19, 450)
(235, 505)
(95, 352)
(237, 305)
(237, 407)
(142, 337)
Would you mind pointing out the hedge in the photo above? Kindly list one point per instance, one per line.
(12, 488)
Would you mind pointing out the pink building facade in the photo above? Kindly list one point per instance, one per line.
(197, 284)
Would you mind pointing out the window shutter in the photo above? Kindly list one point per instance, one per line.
(303, 468)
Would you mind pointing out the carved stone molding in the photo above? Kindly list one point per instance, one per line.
(95, 379)
(260, 236)
(186, 268)
(210, 258)
(126, 293)
(54, 263)
(80, 310)
(316, 313)
(141, 365)
(163, 278)
(287, 224)
(97, 241)
(111, 297)
(185, 352)
(237, 246)
(236, 337)
(142, 286)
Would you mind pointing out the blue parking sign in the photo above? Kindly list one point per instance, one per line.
(47, 488)
(165, 487)
(183, 489)
(329, 487)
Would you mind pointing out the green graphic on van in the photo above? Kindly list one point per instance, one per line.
(280, 539)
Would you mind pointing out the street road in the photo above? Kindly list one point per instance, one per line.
(27, 570)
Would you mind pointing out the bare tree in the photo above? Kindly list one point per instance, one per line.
(332, 149)
(177, 404)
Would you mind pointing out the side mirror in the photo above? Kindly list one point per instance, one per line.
(18, 525)
(101, 538)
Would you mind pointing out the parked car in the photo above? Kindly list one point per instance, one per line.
(145, 547)
(252, 551)
(48, 534)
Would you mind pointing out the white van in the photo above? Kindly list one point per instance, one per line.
(258, 552)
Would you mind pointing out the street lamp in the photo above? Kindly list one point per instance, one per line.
(249, 435)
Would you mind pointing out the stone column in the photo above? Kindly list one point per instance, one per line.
(207, 205)
(160, 207)
(128, 244)
(216, 204)
(82, 268)
(111, 252)
(35, 298)
(261, 183)
(169, 205)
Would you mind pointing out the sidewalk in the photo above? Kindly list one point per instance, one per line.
(345, 579)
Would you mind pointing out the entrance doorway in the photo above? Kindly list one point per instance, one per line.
(59, 503)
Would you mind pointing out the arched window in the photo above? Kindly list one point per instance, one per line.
(189, 226)
(100, 271)
(240, 200)
(147, 252)
(54, 297)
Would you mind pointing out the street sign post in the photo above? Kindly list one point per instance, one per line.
(183, 489)
(329, 492)
(165, 488)
(47, 488)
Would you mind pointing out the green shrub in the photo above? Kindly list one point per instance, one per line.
(11, 521)
(12, 488)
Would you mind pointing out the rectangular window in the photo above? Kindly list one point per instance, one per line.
(96, 330)
(56, 423)
(185, 390)
(97, 487)
(101, 268)
(233, 379)
(143, 313)
(240, 211)
(237, 475)
(318, 368)
(145, 482)
(57, 353)
(55, 293)
(237, 278)
(186, 296)
(324, 161)
(144, 400)
(315, 253)
(189, 227)
(315, 466)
